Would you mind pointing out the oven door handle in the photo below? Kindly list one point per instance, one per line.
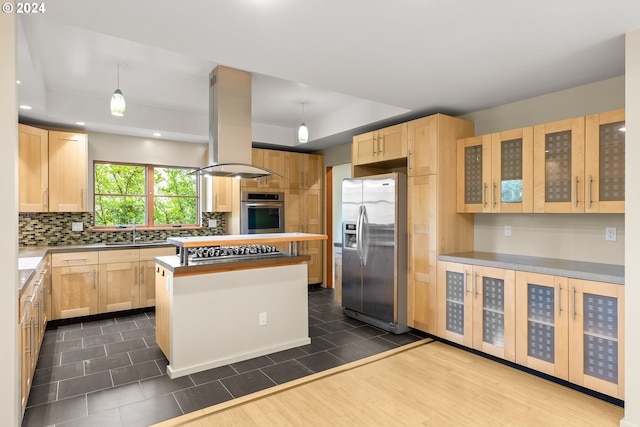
(263, 205)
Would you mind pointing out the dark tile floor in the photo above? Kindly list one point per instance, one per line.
(111, 372)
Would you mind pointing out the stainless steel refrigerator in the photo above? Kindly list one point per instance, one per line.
(374, 250)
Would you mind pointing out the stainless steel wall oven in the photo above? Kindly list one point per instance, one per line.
(261, 212)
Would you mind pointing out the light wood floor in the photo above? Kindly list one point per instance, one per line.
(430, 384)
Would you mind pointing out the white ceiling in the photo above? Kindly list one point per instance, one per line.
(356, 64)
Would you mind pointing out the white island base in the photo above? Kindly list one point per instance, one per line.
(210, 319)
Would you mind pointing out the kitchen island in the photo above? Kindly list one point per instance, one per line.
(217, 310)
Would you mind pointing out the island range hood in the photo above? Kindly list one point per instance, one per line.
(230, 126)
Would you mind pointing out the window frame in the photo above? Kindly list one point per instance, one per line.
(150, 196)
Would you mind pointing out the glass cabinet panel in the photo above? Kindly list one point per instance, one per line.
(473, 174)
(511, 171)
(541, 336)
(601, 337)
(455, 302)
(558, 167)
(611, 180)
(493, 311)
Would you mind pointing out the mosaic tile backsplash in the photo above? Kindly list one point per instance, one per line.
(54, 228)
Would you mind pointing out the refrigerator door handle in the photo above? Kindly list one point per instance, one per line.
(359, 235)
(364, 244)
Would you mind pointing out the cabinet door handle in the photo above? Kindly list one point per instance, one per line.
(75, 259)
(475, 284)
(33, 338)
(142, 269)
(577, 181)
(493, 195)
(409, 154)
(485, 195)
(163, 273)
(215, 202)
(94, 278)
(25, 328)
(573, 302)
(590, 190)
(46, 198)
(464, 282)
(381, 144)
(559, 299)
(373, 146)
(157, 269)
(136, 275)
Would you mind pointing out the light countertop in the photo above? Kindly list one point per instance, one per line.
(598, 272)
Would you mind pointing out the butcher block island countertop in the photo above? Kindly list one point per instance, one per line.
(216, 312)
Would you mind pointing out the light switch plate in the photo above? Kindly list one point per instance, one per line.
(77, 226)
(213, 223)
(507, 230)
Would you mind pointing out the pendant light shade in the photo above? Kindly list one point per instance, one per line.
(303, 132)
(118, 104)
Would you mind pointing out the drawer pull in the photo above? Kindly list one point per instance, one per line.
(75, 259)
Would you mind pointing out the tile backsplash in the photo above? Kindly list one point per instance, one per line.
(54, 228)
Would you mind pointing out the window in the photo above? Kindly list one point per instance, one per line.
(150, 195)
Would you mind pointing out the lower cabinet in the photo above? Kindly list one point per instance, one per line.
(162, 278)
(74, 281)
(85, 283)
(568, 328)
(337, 280)
(572, 329)
(26, 344)
(476, 308)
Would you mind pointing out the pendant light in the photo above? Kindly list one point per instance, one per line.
(303, 132)
(117, 100)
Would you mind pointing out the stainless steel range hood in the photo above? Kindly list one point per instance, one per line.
(230, 125)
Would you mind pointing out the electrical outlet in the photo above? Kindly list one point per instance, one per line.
(507, 230)
(610, 234)
(213, 223)
(77, 226)
(262, 319)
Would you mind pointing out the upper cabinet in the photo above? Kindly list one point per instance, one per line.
(474, 174)
(68, 153)
(604, 162)
(559, 166)
(381, 145)
(52, 170)
(495, 172)
(569, 166)
(33, 150)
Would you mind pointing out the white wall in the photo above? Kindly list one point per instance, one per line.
(632, 247)
(10, 372)
(577, 237)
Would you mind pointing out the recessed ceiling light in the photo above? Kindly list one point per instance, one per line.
(80, 123)
(25, 107)
(18, 81)
(157, 134)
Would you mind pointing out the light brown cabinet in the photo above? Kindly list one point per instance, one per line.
(33, 150)
(572, 329)
(604, 162)
(337, 279)
(223, 195)
(476, 308)
(596, 336)
(74, 284)
(381, 145)
(68, 171)
(163, 279)
(147, 273)
(303, 214)
(495, 172)
(52, 170)
(433, 225)
(118, 280)
(559, 184)
(26, 345)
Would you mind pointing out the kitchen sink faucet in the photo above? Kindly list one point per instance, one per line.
(134, 239)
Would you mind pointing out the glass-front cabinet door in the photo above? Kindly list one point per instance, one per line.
(604, 162)
(494, 323)
(455, 303)
(542, 322)
(512, 171)
(596, 336)
(559, 184)
(474, 174)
